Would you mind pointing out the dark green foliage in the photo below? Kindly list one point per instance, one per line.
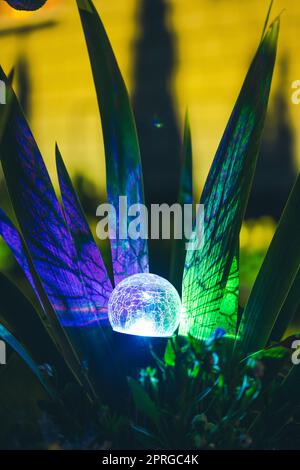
(274, 281)
(197, 397)
(206, 399)
(185, 197)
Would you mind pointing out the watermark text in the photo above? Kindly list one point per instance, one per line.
(161, 221)
(2, 92)
(2, 353)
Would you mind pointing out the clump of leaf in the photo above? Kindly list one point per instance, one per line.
(209, 390)
(200, 396)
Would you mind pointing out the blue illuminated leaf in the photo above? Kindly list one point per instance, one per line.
(123, 162)
(13, 239)
(143, 402)
(47, 238)
(41, 220)
(94, 273)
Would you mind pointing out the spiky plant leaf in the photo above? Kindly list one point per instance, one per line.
(185, 197)
(186, 180)
(51, 247)
(123, 162)
(14, 241)
(267, 20)
(18, 314)
(9, 339)
(224, 197)
(93, 270)
(38, 211)
(274, 280)
(96, 281)
(288, 311)
(229, 304)
(143, 402)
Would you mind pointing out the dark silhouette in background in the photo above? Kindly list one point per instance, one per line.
(153, 105)
(275, 172)
(22, 32)
(156, 120)
(24, 85)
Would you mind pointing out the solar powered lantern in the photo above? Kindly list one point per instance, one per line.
(145, 305)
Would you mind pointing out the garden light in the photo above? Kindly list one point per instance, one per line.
(145, 305)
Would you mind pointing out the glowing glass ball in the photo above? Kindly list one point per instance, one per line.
(144, 305)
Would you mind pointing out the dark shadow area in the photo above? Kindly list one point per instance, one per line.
(27, 29)
(155, 115)
(152, 101)
(24, 85)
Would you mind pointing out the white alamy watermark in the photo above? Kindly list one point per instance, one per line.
(2, 353)
(2, 92)
(296, 93)
(162, 221)
(296, 354)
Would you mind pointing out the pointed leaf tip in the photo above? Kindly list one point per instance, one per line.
(122, 153)
(84, 5)
(210, 281)
(271, 36)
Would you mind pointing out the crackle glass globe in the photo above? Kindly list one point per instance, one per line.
(145, 305)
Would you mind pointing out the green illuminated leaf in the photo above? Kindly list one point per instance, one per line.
(277, 352)
(170, 355)
(143, 402)
(229, 302)
(211, 271)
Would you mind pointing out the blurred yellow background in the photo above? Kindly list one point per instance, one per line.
(215, 41)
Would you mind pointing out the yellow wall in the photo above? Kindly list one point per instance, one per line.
(215, 39)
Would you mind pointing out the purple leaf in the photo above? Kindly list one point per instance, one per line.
(13, 239)
(93, 270)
